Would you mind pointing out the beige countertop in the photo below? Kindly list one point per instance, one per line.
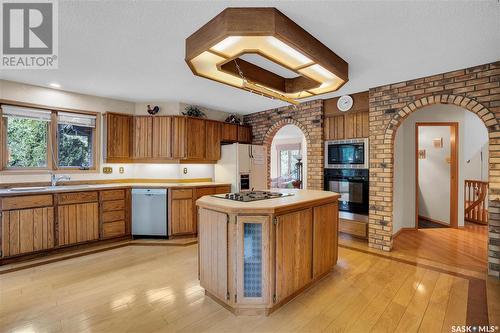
(77, 188)
(300, 198)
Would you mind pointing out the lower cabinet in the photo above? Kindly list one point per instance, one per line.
(324, 249)
(114, 213)
(182, 217)
(78, 223)
(27, 230)
(252, 266)
(294, 236)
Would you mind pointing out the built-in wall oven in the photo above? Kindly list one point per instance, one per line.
(352, 185)
(346, 154)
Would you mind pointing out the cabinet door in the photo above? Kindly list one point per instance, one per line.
(196, 146)
(162, 138)
(293, 252)
(182, 219)
(213, 131)
(27, 230)
(334, 128)
(229, 132)
(143, 134)
(78, 223)
(356, 125)
(244, 134)
(118, 137)
(324, 238)
(252, 246)
(178, 137)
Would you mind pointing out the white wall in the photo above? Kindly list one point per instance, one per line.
(473, 138)
(434, 174)
(289, 134)
(58, 98)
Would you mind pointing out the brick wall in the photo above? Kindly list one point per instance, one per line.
(309, 118)
(476, 89)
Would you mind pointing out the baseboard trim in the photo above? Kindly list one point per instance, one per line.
(433, 220)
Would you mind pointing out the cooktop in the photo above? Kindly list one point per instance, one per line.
(248, 196)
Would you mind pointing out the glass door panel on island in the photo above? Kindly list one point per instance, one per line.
(252, 238)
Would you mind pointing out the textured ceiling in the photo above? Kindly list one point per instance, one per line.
(134, 50)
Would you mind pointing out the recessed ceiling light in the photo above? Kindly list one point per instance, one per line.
(55, 85)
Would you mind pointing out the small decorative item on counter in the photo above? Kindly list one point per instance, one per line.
(153, 110)
(193, 111)
(233, 119)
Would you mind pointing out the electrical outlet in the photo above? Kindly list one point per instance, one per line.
(185, 171)
(121, 170)
(107, 170)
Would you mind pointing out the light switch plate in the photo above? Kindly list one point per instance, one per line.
(107, 170)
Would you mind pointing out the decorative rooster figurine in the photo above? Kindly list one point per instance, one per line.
(154, 110)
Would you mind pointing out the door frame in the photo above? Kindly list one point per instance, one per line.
(454, 135)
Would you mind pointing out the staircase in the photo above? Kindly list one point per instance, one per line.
(476, 193)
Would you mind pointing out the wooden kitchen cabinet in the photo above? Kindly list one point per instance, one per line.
(356, 125)
(182, 217)
(142, 138)
(294, 236)
(324, 249)
(162, 138)
(213, 140)
(27, 230)
(115, 213)
(244, 134)
(179, 137)
(77, 217)
(229, 133)
(195, 139)
(334, 128)
(118, 137)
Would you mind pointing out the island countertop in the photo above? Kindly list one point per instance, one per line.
(270, 206)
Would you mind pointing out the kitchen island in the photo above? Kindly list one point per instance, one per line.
(256, 256)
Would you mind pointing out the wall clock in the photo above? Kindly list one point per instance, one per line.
(344, 103)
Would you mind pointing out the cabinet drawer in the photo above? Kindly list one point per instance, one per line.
(112, 195)
(202, 191)
(113, 229)
(354, 228)
(30, 201)
(113, 216)
(76, 197)
(222, 189)
(109, 206)
(182, 194)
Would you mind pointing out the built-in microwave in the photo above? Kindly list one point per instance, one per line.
(346, 154)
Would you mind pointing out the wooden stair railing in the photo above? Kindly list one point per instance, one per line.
(475, 193)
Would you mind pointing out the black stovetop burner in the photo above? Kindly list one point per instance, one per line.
(248, 196)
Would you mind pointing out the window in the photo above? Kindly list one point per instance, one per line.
(75, 140)
(27, 143)
(26, 137)
(287, 159)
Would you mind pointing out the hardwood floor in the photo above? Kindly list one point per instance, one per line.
(155, 289)
(466, 248)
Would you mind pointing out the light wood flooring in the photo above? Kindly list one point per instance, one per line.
(155, 289)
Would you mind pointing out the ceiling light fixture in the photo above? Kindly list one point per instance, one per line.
(214, 52)
(55, 85)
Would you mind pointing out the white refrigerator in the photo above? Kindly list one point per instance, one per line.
(242, 165)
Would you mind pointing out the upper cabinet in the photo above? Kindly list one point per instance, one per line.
(118, 137)
(350, 124)
(169, 139)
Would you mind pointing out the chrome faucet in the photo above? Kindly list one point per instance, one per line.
(55, 179)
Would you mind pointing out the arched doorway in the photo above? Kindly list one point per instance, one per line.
(382, 134)
(289, 138)
(438, 150)
(288, 168)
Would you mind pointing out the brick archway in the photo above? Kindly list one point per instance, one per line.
(382, 163)
(268, 141)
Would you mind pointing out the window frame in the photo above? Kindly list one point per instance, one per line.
(52, 142)
(286, 147)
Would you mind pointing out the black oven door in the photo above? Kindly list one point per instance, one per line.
(346, 153)
(352, 185)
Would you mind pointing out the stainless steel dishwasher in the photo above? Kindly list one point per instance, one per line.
(149, 212)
